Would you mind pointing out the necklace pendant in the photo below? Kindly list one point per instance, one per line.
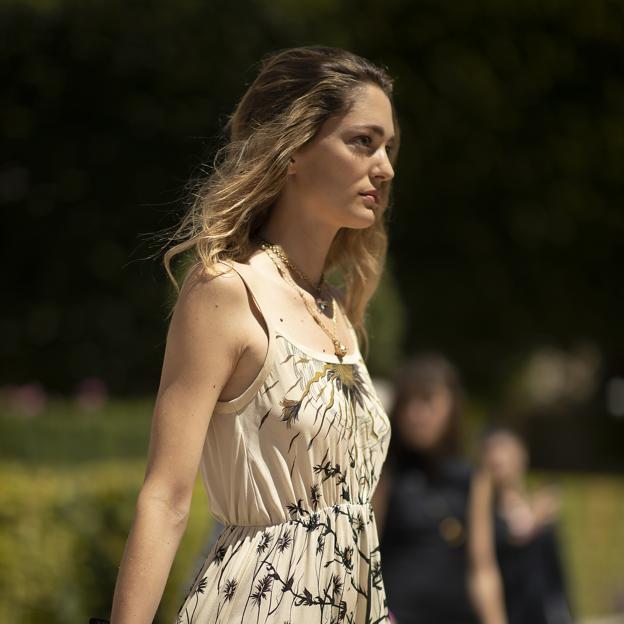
(340, 350)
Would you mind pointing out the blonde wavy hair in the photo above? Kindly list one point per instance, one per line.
(294, 93)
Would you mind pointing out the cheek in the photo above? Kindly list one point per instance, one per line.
(330, 171)
(440, 414)
(410, 430)
(517, 462)
(503, 463)
(440, 424)
(421, 425)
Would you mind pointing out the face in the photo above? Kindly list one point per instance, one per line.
(505, 457)
(424, 420)
(348, 156)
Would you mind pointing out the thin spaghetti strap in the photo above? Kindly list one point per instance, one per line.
(237, 404)
(253, 296)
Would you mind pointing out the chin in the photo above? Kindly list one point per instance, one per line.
(361, 220)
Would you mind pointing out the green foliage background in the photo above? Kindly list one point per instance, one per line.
(507, 224)
(67, 502)
(68, 485)
(62, 534)
(506, 235)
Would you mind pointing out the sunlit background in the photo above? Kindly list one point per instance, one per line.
(506, 252)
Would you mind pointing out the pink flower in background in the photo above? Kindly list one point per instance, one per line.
(28, 399)
(91, 394)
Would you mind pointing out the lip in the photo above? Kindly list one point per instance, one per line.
(371, 193)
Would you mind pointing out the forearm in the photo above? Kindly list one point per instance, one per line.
(486, 592)
(150, 550)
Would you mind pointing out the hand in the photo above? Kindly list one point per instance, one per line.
(546, 505)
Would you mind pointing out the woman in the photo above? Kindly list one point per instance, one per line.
(527, 546)
(423, 506)
(264, 388)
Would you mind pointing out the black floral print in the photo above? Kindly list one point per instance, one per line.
(300, 457)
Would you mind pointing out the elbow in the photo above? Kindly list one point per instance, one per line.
(176, 506)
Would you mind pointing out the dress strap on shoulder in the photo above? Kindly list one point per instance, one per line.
(239, 403)
(251, 292)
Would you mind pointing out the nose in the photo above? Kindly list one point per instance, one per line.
(383, 167)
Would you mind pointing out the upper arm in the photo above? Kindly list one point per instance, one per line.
(203, 346)
(481, 546)
(484, 580)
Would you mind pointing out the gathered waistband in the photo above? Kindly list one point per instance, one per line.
(303, 514)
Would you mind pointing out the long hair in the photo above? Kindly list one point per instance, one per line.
(295, 91)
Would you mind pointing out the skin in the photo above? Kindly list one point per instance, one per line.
(485, 586)
(217, 341)
(506, 458)
(425, 419)
(321, 194)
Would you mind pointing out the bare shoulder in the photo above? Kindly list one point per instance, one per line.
(213, 295)
(207, 313)
(199, 284)
(203, 346)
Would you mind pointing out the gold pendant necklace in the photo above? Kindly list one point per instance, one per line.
(321, 303)
(339, 348)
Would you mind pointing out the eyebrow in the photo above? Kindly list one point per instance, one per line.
(375, 128)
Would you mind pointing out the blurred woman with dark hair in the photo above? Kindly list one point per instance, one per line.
(422, 505)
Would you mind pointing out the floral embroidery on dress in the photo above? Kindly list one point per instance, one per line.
(300, 461)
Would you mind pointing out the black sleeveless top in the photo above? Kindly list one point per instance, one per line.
(423, 544)
(533, 577)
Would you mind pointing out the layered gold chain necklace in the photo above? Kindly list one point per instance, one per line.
(276, 251)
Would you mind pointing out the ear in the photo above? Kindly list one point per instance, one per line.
(292, 166)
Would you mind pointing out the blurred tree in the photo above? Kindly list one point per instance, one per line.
(507, 232)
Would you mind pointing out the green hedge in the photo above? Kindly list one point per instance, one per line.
(62, 533)
(68, 484)
(592, 532)
(63, 434)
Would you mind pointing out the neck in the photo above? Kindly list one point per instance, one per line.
(416, 458)
(512, 488)
(305, 241)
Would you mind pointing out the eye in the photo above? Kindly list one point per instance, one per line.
(366, 140)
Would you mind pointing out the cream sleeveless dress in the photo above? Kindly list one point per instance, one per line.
(289, 468)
